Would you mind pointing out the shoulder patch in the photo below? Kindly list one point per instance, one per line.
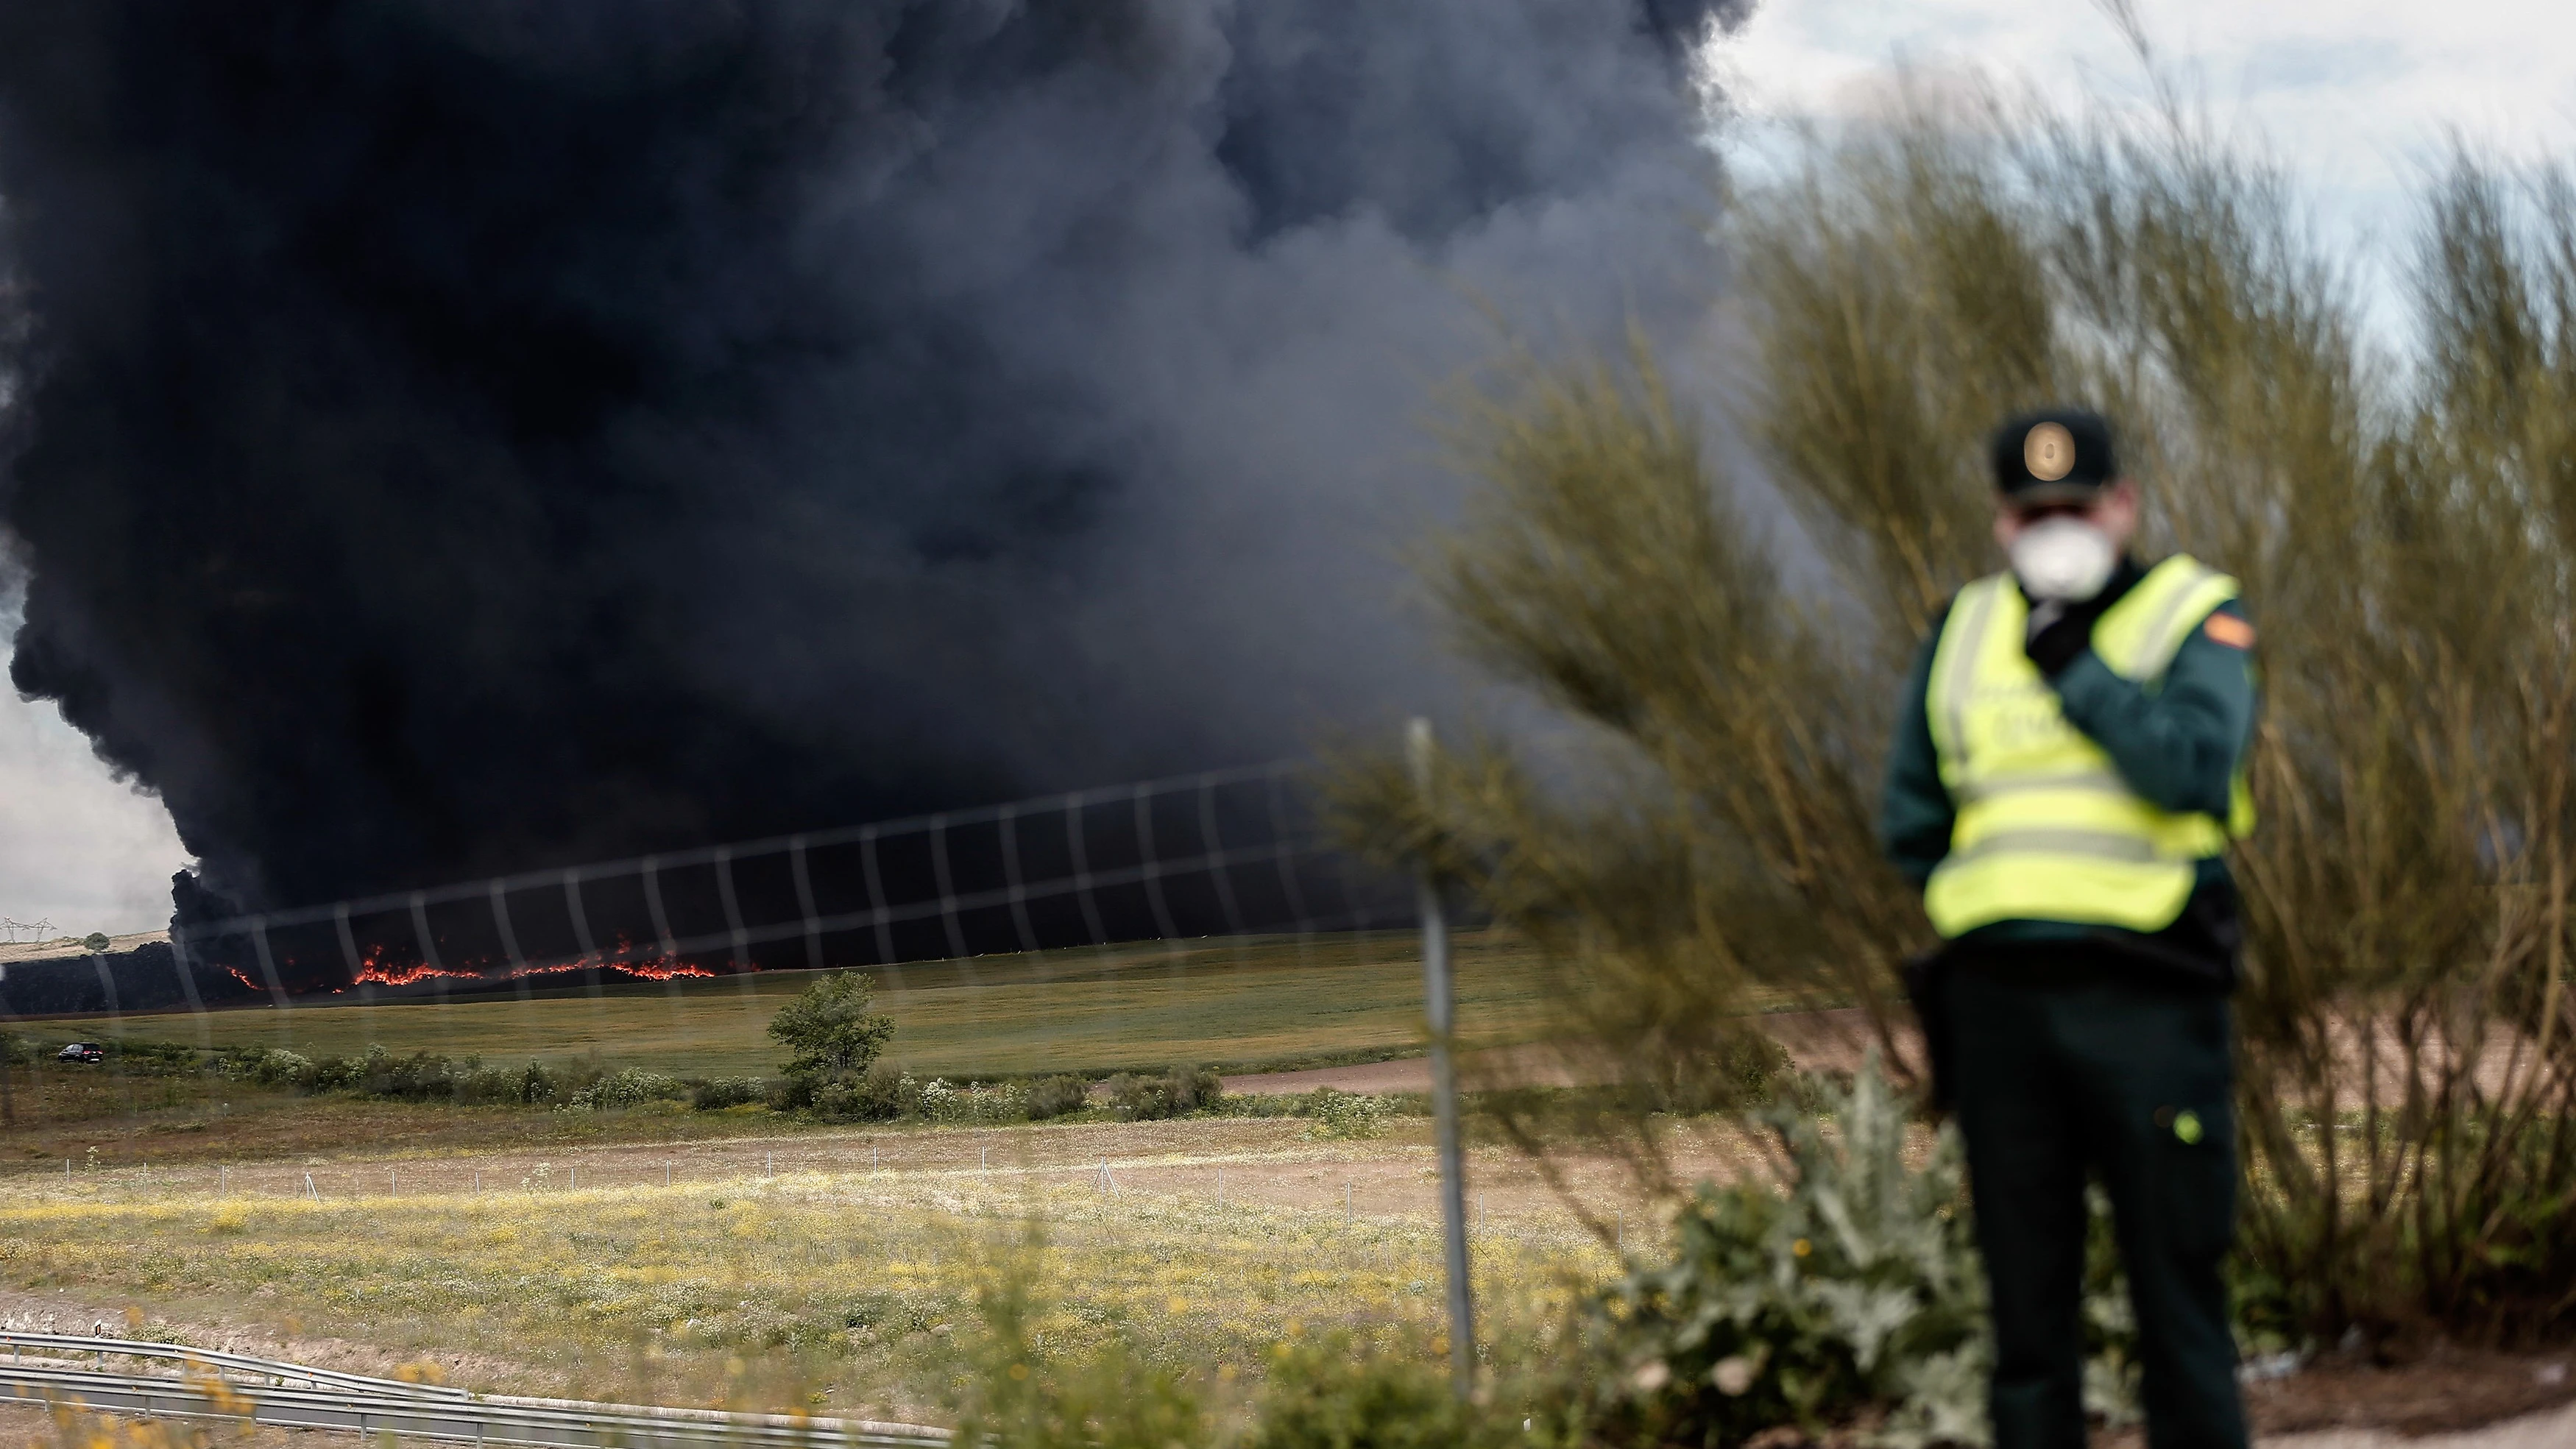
(2229, 630)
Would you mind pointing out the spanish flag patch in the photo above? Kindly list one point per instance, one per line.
(2229, 630)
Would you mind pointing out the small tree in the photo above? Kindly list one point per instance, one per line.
(834, 1036)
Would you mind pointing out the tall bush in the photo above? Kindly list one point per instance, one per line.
(1057, 1096)
(2403, 515)
(1177, 1092)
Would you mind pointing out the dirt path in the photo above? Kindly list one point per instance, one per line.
(1818, 1041)
(1262, 1161)
(1838, 1041)
(2461, 1398)
(2552, 1429)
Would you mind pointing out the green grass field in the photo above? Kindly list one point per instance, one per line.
(1228, 1003)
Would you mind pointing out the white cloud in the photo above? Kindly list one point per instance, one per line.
(77, 846)
(2356, 96)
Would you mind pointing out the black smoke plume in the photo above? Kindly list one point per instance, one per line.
(453, 436)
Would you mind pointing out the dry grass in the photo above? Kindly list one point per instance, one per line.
(829, 1283)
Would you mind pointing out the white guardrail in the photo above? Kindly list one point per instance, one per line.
(261, 1391)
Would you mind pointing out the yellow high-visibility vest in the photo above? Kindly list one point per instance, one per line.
(2047, 830)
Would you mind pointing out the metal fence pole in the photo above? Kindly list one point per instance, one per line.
(1441, 1007)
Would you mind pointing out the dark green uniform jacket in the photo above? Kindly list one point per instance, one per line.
(2176, 745)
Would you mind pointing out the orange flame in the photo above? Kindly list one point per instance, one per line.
(659, 967)
(406, 975)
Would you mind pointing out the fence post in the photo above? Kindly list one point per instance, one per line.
(1440, 1007)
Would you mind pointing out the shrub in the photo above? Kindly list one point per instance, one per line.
(1334, 1393)
(154, 1058)
(1860, 1286)
(885, 1091)
(1134, 1097)
(1859, 1289)
(470, 1081)
(331, 1074)
(95, 942)
(1745, 1070)
(420, 1077)
(718, 1093)
(834, 1039)
(1057, 1096)
(1177, 1092)
(535, 1085)
(627, 1087)
(939, 1101)
(278, 1067)
(1340, 1114)
(942, 1101)
(416, 1078)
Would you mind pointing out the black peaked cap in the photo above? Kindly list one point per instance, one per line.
(2057, 455)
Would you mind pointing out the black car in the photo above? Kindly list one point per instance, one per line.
(82, 1051)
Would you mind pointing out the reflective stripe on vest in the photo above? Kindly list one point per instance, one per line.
(2046, 828)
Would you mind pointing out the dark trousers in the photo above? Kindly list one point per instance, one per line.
(2130, 1081)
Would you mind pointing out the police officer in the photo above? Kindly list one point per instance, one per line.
(2066, 775)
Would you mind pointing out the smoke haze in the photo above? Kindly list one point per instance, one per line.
(453, 436)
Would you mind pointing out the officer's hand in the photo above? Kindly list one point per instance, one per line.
(2056, 645)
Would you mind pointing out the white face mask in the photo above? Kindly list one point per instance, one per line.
(2062, 558)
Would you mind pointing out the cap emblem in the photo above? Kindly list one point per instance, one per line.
(2048, 451)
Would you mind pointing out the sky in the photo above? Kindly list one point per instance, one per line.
(77, 846)
(2355, 96)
